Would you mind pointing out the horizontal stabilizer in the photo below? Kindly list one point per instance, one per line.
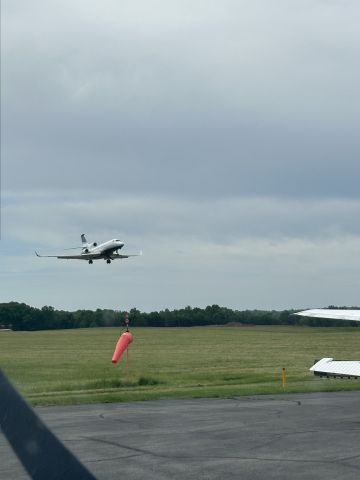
(328, 367)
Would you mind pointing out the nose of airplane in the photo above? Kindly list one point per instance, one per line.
(118, 243)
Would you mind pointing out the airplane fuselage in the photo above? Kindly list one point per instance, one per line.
(104, 250)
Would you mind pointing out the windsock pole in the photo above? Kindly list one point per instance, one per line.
(126, 321)
(127, 365)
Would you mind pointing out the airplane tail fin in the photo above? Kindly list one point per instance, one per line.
(83, 239)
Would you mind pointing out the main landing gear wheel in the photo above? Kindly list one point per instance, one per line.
(90, 261)
(108, 260)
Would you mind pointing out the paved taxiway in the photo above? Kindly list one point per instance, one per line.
(302, 436)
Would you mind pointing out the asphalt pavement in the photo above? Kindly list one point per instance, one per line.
(301, 436)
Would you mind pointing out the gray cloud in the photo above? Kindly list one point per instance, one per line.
(219, 221)
(201, 100)
(243, 253)
(222, 138)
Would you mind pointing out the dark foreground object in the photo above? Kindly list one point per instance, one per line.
(303, 436)
(40, 452)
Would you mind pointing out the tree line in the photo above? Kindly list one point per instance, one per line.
(19, 316)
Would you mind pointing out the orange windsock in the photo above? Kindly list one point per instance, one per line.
(122, 344)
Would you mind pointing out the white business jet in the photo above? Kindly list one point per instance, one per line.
(92, 251)
(328, 366)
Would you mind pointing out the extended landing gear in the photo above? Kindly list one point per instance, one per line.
(108, 260)
(90, 262)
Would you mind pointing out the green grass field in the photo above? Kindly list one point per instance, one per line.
(74, 366)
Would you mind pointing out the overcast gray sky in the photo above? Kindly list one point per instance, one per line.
(222, 138)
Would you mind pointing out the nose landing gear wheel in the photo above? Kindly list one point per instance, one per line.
(90, 262)
(108, 260)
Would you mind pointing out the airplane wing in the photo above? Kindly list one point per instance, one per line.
(83, 256)
(328, 367)
(334, 314)
(119, 256)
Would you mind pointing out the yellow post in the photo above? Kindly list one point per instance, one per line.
(283, 377)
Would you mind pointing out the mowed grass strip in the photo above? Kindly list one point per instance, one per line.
(74, 366)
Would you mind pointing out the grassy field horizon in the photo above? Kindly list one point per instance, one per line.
(61, 367)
